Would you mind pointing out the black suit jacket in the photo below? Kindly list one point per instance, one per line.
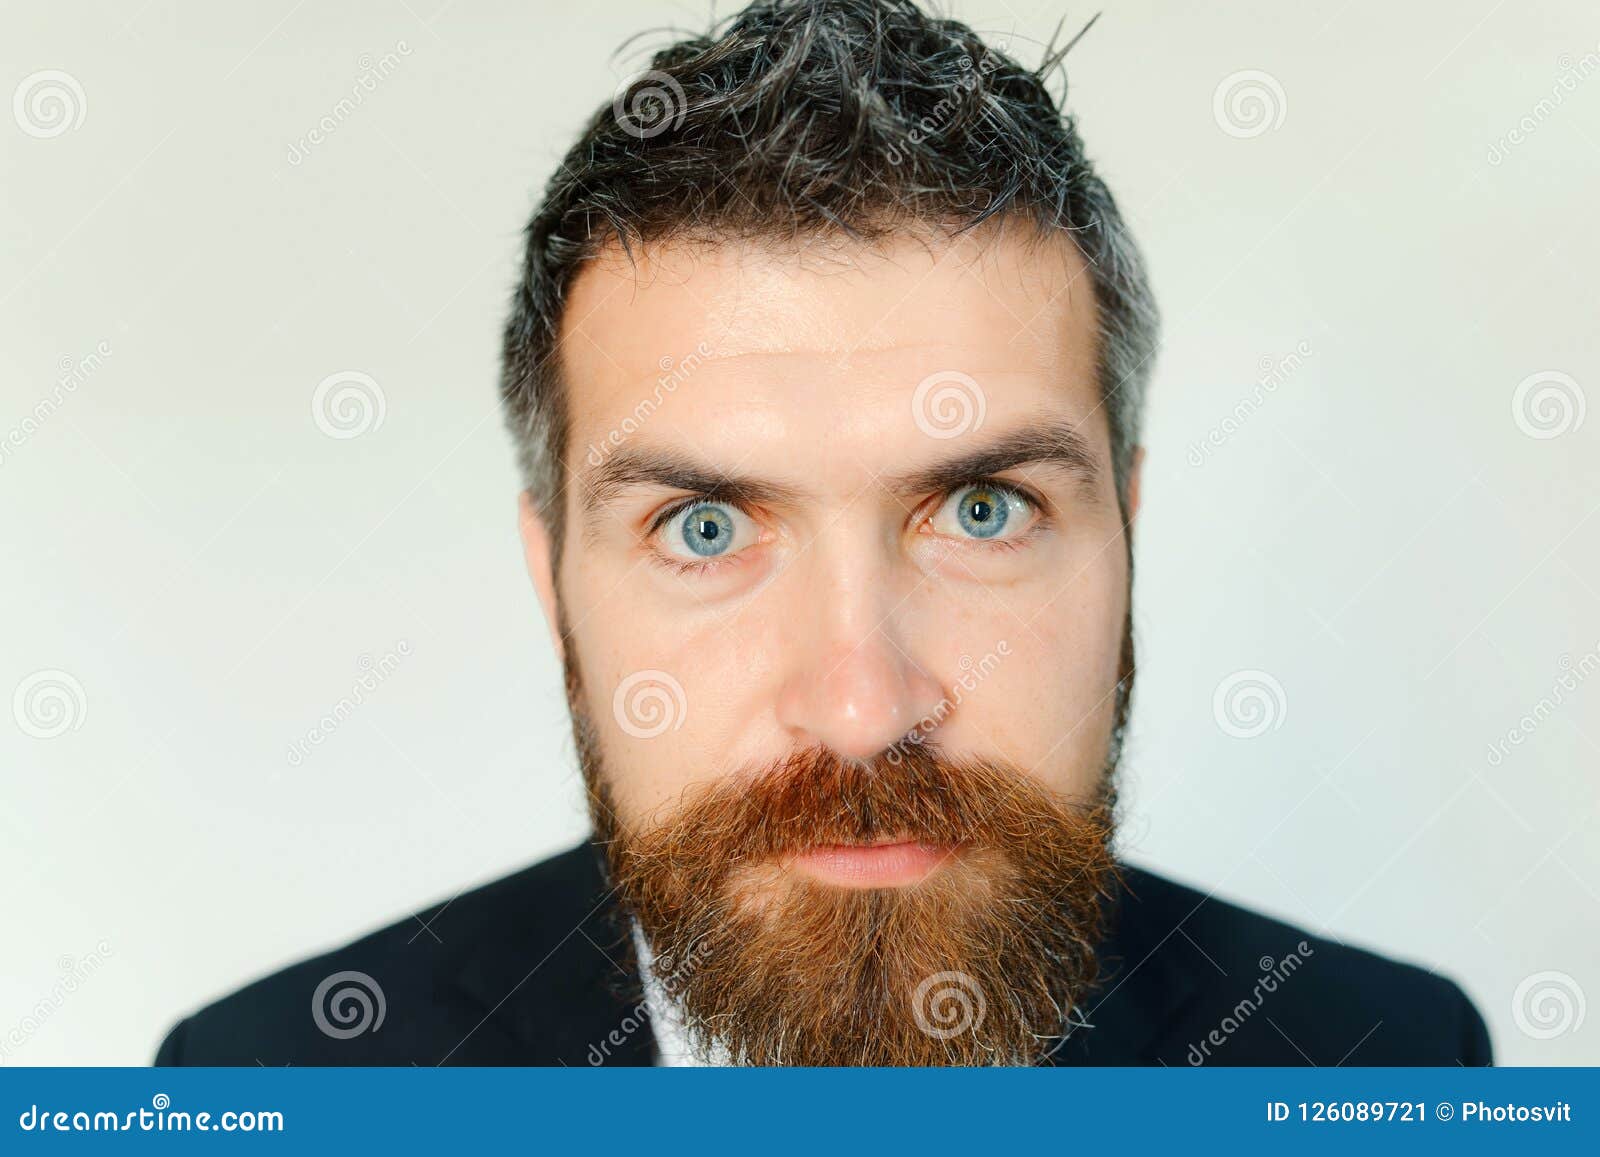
(534, 970)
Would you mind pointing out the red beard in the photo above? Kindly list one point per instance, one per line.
(985, 961)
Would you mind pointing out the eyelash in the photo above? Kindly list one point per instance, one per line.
(1012, 490)
(682, 566)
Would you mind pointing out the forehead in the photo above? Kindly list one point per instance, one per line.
(773, 335)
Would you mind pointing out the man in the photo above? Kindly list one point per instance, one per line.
(825, 373)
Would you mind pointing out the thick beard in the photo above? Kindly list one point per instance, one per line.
(986, 961)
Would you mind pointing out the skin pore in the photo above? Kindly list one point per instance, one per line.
(818, 555)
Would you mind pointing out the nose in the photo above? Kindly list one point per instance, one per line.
(854, 686)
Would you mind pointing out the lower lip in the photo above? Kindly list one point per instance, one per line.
(873, 865)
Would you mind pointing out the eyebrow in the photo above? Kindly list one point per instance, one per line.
(671, 468)
(1050, 441)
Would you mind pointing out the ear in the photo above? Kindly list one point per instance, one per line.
(537, 554)
(1135, 472)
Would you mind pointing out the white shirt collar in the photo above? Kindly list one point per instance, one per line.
(673, 1047)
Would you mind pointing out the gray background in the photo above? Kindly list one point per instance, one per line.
(201, 571)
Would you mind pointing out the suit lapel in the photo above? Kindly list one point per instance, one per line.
(1141, 989)
(558, 987)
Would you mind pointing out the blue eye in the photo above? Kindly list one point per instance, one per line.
(982, 512)
(700, 533)
(707, 530)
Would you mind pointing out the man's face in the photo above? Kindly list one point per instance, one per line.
(840, 509)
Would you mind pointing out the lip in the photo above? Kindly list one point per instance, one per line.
(888, 864)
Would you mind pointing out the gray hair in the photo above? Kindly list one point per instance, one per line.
(794, 117)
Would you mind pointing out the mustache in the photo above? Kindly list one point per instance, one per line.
(798, 973)
(816, 797)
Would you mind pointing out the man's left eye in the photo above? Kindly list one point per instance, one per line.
(982, 513)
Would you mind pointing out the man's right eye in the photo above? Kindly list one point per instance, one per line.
(701, 532)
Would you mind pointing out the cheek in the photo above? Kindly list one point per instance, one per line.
(1080, 640)
(1037, 673)
(666, 692)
